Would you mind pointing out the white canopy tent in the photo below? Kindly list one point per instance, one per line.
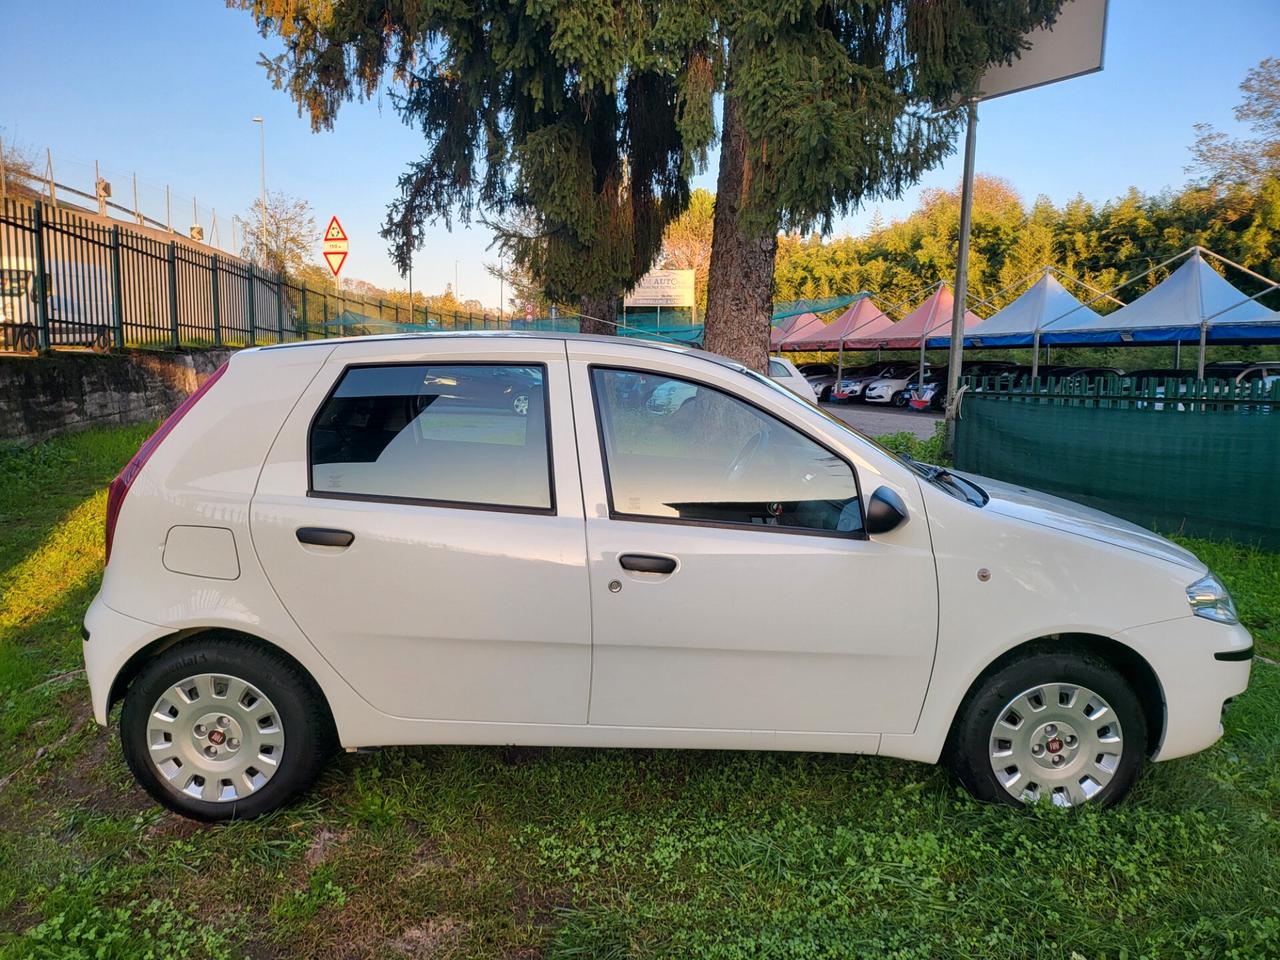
(1016, 323)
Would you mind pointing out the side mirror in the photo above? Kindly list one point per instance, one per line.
(885, 511)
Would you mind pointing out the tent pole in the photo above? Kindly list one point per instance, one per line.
(840, 362)
(1204, 331)
(1035, 355)
(956, 353)
(1177, 355)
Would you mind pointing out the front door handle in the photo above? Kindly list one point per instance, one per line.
(646, 563)
(325, 536)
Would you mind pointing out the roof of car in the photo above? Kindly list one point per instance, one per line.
(514, 335)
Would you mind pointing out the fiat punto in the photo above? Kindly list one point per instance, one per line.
(365, 543)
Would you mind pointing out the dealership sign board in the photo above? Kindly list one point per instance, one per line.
(663, 288)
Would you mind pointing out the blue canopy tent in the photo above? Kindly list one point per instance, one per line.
(1194, 304)
(1016, 324)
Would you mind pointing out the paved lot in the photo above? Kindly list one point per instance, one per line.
(873, 419)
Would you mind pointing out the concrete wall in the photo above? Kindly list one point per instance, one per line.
(41, 397)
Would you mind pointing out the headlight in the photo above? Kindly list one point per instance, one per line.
(1210, 599)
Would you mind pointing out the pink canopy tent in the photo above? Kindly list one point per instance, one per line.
(931, 319)
(861, 319)
(804, 325)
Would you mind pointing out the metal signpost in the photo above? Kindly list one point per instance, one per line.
(1072, 48)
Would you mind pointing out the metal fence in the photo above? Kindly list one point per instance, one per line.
(72, 279)
(1199, 457)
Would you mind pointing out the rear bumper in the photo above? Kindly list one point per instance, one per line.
(1201, 665)
(109, 639)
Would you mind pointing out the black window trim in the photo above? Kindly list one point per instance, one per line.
(548, 511)
(614, 514)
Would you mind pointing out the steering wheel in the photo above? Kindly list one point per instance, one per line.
(757, 442)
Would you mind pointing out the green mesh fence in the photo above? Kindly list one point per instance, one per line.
(1203, 468)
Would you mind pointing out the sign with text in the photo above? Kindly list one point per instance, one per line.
(663, 288)
(335, 246)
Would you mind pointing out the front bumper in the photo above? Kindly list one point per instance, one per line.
(1200, 665)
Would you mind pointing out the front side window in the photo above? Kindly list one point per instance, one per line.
(685, 451)
(461, 433)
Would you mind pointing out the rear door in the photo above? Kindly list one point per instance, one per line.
(420, 516)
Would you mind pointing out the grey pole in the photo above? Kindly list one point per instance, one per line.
(262, 187)
(956, 353)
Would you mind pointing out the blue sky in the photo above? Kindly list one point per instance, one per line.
(167, 90)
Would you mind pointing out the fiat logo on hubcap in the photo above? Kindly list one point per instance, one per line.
(217, 736)
(1053, 746)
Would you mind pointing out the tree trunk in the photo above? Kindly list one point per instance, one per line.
(599, 315)
(740, 281)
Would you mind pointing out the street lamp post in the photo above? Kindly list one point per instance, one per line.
(262, 186)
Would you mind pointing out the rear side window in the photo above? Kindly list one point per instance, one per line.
(469, 434)
(778, 370)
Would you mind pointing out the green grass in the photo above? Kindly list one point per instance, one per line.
(493, 852)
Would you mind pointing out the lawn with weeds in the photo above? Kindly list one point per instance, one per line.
(503, 852)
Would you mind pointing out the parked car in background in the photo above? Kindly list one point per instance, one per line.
(892, 388)
(1083, 373)
(932, 394)
(821, 376)
(1268, 371)
(850, 386)
(783, 371)
(307, 554)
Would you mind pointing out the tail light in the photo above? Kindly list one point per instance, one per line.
(124, 479)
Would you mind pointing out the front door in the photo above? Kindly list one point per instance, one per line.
(733, 586)
(421, 519)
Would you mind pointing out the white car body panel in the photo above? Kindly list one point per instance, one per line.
(464, 625)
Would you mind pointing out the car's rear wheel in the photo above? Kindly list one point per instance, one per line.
(1064, 727)
(218, 728)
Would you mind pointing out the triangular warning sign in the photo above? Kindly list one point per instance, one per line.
(335, 260)
(334, 231)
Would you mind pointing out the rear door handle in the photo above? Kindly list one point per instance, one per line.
(646, 563)
(325, 536)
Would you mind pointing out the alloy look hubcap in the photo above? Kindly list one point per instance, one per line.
(215, 737)
(1059, 740)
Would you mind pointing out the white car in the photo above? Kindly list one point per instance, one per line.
(892, 388)
(783, 371)
(359, 542)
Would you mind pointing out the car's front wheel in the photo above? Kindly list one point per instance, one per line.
(218, 727)
(899, 399)
(1063, 727)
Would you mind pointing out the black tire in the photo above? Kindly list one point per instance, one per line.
(303, 714)
(967, 751)
(825, 395)
(899, 399)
